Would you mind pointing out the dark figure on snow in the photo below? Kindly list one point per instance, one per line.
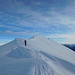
(25, 42)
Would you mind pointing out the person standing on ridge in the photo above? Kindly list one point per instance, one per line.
(25, 42)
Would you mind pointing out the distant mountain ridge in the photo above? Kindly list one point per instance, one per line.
(70, 46)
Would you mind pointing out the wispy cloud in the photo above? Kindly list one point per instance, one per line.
(69, 10)
(55, 21)
(19, 33)
(22, 18)
(66, 36)
(63, 38)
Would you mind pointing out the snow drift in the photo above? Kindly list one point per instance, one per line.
(41, 56)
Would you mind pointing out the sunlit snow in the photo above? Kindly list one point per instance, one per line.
(41, 56)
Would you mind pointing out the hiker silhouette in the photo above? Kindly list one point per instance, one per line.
(25, 42)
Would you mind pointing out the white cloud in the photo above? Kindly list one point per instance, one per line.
(34, 19)
(63, 19)
(63, 38)
(37, 20)
(27, 32)
(69, 10)
(69, 41)
(67, 36)
(56, 19)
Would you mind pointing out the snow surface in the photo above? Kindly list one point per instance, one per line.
(41, 56)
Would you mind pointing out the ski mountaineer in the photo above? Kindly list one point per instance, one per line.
(25, 42)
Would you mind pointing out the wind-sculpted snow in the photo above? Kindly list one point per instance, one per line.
(60, 62)
(31, 60)
(41, 56)
(20, 52)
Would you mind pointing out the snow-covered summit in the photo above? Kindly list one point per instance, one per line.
(41, 56)
(19, 41)
(49, 46)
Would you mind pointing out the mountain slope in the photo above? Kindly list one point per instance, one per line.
(41, 56)
(51, 47)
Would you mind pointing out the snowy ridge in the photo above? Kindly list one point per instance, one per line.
(41, 56)
(51, 47)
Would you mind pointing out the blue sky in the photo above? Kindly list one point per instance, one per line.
(54, 19)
